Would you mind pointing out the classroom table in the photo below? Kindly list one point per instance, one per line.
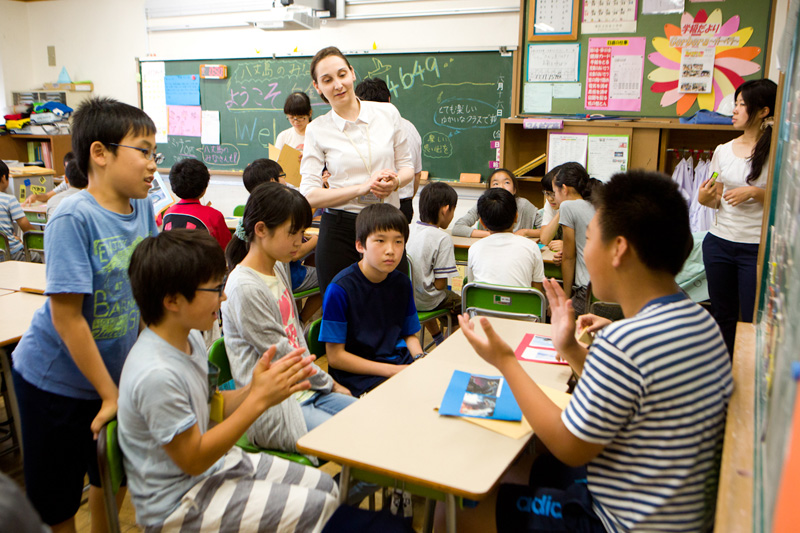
(36, 213)
(16, 275)
(17, 309)
(394, 431)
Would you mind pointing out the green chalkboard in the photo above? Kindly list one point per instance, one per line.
(455, 100)
(753, 14)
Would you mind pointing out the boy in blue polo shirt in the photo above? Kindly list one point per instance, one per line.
(68, 363)
(636, 448)
(369, 320)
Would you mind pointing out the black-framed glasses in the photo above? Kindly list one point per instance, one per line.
(282, 175)
(149, 154)
(219, 289)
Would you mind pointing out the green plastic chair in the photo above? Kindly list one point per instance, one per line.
(112, 471)
(33, 241)
(312, 339)
(5, 248)
(238, 211)
(219, 357)
(517, 303)
(305, 294)
(427, 316)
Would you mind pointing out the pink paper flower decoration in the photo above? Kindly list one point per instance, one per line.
(731, 63)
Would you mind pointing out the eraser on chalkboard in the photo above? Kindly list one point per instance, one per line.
(468, 177)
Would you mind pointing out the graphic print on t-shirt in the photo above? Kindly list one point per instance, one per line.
(114, 310)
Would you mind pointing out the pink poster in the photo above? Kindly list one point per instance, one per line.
(614, 74)
(185, 120)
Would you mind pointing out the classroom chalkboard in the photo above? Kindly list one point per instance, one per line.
(735, 15)
(455, 100)
(779, 310)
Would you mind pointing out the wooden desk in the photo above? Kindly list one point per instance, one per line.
(735, 492)
(394, 430)
(17, 274)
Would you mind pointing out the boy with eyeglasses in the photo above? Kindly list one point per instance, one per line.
(185, 473)
(67, 365)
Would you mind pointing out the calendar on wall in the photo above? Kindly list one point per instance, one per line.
(553, 20)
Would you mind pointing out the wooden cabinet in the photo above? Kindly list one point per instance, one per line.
(16, 147)
(655, 144)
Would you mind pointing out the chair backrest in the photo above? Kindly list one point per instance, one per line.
(33, 241)
(607, 310)
(238, 211)
(312, 339)
(5, 248)
(112, 471)
(180, 220)
(219, 357)
(519, 303)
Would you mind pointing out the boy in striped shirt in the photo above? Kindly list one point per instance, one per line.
(643, 430)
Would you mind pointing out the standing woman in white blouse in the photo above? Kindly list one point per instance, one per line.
(363, 147)
(730, 250)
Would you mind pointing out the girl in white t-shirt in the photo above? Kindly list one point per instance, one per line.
(736, 190)
(297, 109)
(260, 311)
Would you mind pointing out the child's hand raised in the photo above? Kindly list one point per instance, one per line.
(273, 382)
(492, 349)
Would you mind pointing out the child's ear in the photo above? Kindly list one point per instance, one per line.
(622, 248)
(98, 153)
(360, 247)
(170, 302)
(260, 229)
(516, 217)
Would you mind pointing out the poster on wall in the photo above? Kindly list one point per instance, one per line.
(697, 65)
(614, 74)
(154, 97)
(662, 7)
(566, 147)
(609, 16)
(607, 155)
(553, 62)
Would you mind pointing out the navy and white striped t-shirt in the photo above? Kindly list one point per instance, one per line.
(654, 391)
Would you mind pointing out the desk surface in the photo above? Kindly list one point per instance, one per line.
(17, 311)
(735, 493)
(17, 274)
(36, 208)
(395, 431)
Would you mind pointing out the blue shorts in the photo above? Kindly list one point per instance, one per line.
(556, 498)
(59, 449)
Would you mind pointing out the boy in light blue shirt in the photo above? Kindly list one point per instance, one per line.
(68, 363)
(10, 212)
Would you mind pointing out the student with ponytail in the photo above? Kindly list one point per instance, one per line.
(736, 190)
(260, 312)
(572, 188)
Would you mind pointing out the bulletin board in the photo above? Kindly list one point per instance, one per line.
(662, 63)
(454, 99)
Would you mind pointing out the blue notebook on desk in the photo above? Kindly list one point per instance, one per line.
(479, 396)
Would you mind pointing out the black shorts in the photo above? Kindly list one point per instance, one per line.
(555, 499)
(59, 449)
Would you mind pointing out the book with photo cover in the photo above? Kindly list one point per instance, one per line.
(538, 349)
(478, 396)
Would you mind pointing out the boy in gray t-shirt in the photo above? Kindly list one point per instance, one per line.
(431, 254)
(182, 473)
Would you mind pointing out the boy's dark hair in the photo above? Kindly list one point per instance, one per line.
(69, 157)
(4, 172)
(298, 103)
(374, 90)
(189, 178)
(75, 177)
(319, 56)
(649, 211)
(574, 175)
(172, 262)
(273, 204)
(380, 217)
(508, 173)
(433, 197)
(758, 94)
(107, 121)
(497, 209)
(261, 171)
(547, 180)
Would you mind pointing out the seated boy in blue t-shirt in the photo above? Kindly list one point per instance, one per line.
(636, 448)
(369, 320)
(184, 473)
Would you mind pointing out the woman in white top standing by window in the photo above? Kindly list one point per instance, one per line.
(730, 250)
(363, 147)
